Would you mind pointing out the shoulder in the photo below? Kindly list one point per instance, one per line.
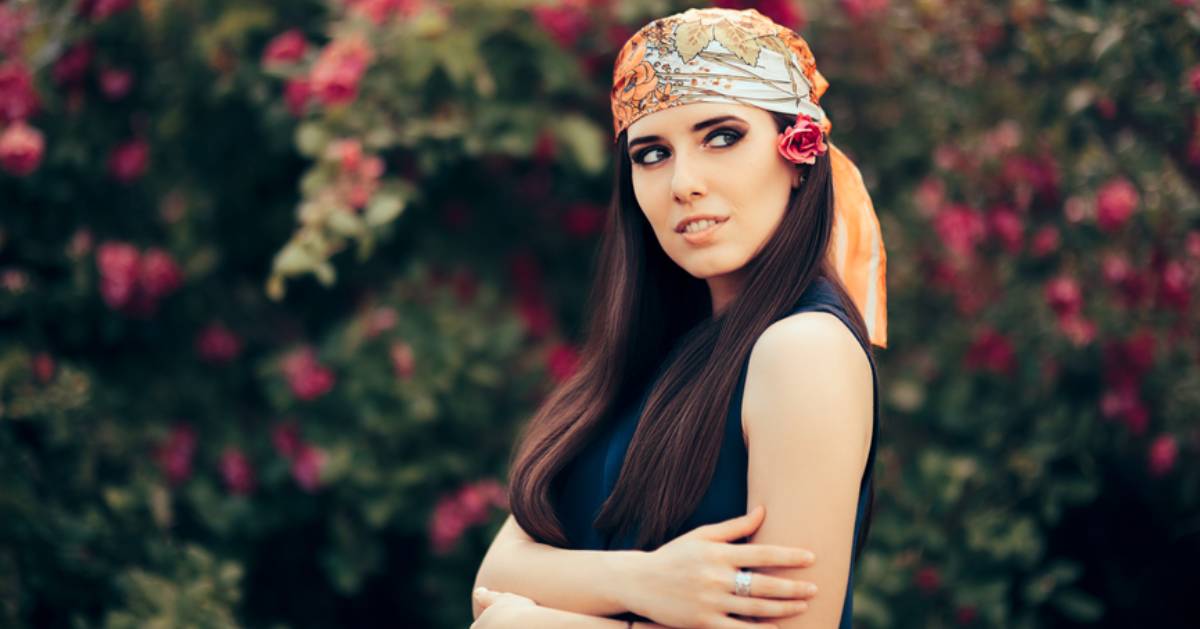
(808, 372)
(808, 408)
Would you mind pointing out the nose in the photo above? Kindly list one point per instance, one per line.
(686, 184)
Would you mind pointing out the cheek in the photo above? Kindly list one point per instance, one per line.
(654, 199)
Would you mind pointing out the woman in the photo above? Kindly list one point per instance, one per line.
(727, 365)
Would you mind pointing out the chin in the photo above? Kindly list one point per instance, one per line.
(703, 270)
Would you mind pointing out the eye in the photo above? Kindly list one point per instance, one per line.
(640, 156)
(726, 132)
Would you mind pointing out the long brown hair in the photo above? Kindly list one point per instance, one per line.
(646, 315)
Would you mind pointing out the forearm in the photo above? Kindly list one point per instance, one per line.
(548, 618)
(586, 582)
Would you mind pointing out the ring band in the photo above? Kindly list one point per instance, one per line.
(741, 582)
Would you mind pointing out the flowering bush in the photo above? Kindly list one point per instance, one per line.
(192, 432)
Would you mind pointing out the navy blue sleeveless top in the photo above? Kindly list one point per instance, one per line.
(588, 480)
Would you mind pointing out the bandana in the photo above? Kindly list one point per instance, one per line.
(718, 55)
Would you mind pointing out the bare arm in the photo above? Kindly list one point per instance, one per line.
(586, 582)
(809, 411)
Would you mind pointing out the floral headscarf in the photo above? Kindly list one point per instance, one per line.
(742, 57)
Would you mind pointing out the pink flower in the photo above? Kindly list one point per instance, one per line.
(446, 525)
(961, 229)
(1174, 288)
(72, 66)
(928, 579)
(236, 471)
(1079, 330)
(930, 196)
(217, 344)
(1193, 244)
(1163, 453)
(307, 466)
(535, 313)
(1045, 241)
(43, 367)
(1008, 227)
(296, 94)
(115, 83)
(307, 378)
(128, 161)
(338, 70)
(81, 243)
(562, 362)
(802, 142)
(286, 47)
(583, 220)
(21, 148)
(1194, 79)
(1115, 203)
(785, 12)
(13, 21)
(455, 512)
(358, 176)
(1116, 269)
(118, 266)
(1038, 175)
(380, 11)
(103, 9)
(1126, 362)
(403, 361)
(564, 23)
(379, 320)
(545, 147)
(18, 99)
(285, 436)
(174, 456)
(859, 10)
(991, 351)
(1063, 295)
(159, 274)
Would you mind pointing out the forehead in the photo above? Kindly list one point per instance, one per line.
(679, 119)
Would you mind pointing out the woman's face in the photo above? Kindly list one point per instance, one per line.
(710, 160)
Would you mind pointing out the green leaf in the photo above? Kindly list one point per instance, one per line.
(311, 139)
(383, 208)
(1078, 606)
(584, 141)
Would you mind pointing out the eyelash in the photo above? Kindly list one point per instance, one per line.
(736, 136)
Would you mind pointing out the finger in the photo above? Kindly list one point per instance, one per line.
(763, 608)
(727, 622)
(485, 597)
(770, 555)
(767, 586)
(734, 528)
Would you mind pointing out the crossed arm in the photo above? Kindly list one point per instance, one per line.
(807, 412)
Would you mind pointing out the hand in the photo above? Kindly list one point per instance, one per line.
(689, 581)
(500, 609)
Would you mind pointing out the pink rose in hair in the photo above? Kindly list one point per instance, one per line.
(803, 141)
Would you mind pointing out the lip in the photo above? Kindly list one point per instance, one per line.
(703, 236)
(698, 217)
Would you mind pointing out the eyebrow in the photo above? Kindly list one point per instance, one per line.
(696, 127)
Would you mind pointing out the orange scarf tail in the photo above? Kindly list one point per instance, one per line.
(857, 249)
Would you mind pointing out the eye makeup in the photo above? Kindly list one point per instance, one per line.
(732, 134)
